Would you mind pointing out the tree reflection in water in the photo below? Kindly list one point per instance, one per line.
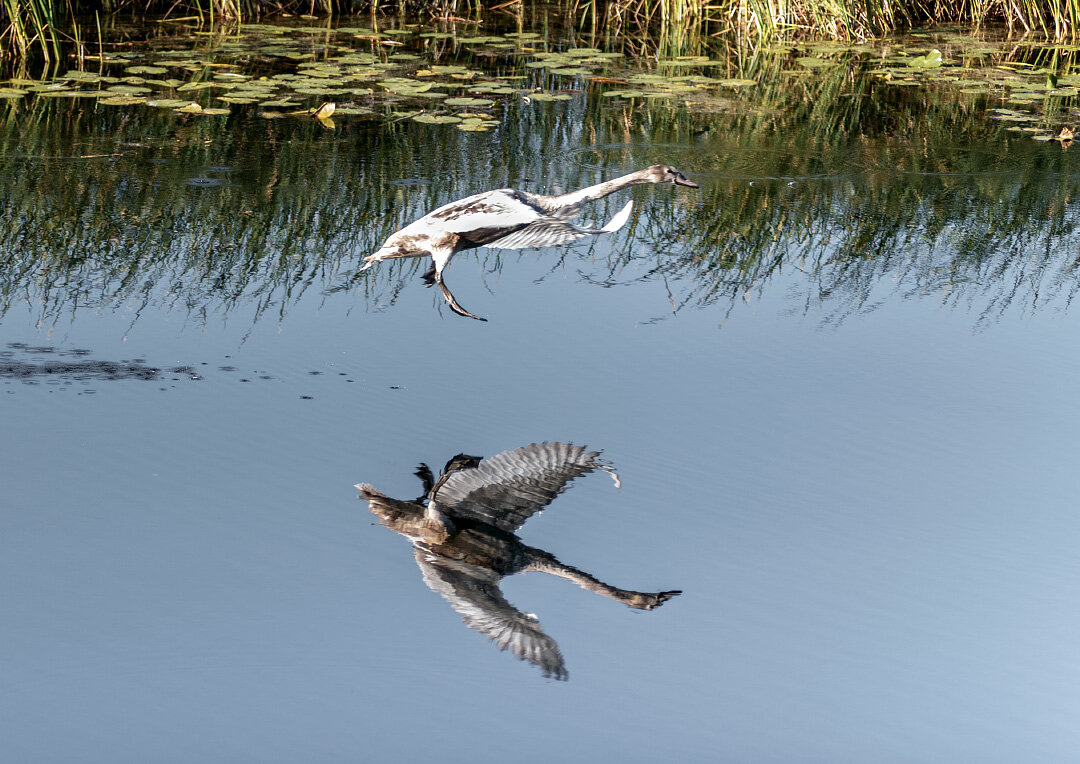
(463, 529)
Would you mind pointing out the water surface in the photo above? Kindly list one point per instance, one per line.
(837, 383)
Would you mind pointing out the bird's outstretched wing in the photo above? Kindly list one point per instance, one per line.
(509, 488)
(498, 209)
(474, 593)
(551, 232)
(543, 233)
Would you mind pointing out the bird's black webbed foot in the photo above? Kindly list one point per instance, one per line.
(451, 301)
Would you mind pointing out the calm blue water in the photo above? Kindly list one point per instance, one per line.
(873, 521)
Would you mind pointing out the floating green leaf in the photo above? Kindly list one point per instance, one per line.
(436, 119)
(122, 100)
(146, 70)
(812, 62)
(475, 126)
(550, 96)
(930, 60)
(128, 89)
(473, 102)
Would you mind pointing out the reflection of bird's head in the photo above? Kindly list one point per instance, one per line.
(662, 173)
(391, 512)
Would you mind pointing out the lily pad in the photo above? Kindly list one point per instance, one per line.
(436, 119)
(812, 62)
(931, 59)
(122, 100)
(475, 126)
(146, 70)
(471, 102)
(128, 90)
(550, 96)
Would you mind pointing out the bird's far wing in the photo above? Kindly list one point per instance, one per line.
(551, 232)
(542, 233)
(487, 211)
(474, 593)
(509, 488)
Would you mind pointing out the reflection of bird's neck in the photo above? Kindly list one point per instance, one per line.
(537, 560)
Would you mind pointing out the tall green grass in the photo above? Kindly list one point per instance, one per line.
(853, 20)
(43, 27)
(30, 24)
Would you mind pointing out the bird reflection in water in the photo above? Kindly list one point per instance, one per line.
(463, 531)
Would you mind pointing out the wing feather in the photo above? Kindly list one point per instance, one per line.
(551, 232)
(489, 210)
(543, 233)
(510, 487)
(474, 593)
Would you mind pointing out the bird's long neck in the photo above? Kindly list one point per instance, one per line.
(540, 561)
(576, 199)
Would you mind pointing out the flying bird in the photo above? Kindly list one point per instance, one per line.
(507, 218)
(464, 535)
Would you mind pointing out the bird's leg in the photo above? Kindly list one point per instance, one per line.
(453, 303)
(544, 562)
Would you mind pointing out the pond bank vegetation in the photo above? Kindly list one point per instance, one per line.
(52, 30)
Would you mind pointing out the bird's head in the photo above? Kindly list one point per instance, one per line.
(662, 173)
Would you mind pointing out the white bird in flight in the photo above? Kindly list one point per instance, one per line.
(509, 219)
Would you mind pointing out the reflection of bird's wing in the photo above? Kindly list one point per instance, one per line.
(509, 488)
(551, 232)
(489, 210)
(474, 593)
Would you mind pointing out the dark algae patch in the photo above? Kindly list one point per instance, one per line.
(29, 363)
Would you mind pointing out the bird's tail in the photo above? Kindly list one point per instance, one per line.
(620, 219)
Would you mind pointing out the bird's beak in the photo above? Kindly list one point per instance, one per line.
(680, 180)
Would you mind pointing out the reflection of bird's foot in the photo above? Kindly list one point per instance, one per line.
(653, 601)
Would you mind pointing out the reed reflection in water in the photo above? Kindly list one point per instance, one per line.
(887, 195)
(463, 530)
